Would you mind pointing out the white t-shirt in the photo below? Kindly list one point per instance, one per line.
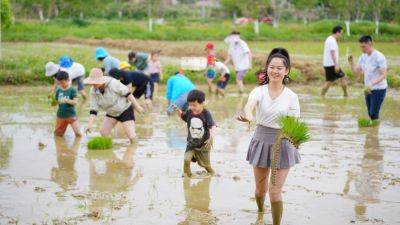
(268, 110)
(221, 68)
(76, 70)
(330, 44)
(370, 64)
(239, 52)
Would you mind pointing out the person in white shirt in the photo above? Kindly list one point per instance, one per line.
(240, 55)
(75, 70)
(271, 100)
(221, 70)
(373, 65)
(331, 62)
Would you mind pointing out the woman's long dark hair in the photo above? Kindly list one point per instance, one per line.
(281, 53)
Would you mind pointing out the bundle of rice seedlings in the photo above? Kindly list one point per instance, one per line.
(53, 101)
(367, 91)
(295, 131)
(364, 122)
(100, 143)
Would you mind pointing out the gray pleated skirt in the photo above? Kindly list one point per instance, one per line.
(261, 149)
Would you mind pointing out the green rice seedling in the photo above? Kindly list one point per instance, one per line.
(100, 143)
(53, 101)
(295, 131)
(364, 122)
(367, 91)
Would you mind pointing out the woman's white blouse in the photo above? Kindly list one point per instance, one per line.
(268, 110)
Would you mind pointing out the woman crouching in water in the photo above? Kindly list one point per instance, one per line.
(271, 100)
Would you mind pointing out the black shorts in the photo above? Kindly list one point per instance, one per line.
(331, 75)
(145, 89)
(126, 115)
(222, 84)
(155, 77)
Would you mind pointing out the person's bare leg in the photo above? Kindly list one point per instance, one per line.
(156, 89)
(129, 128)
(240, 85)
(221, 91)
(261, 179)
(76, 128)
(343, 82)
(275, 196)
(211, 88)
(149, 104)
(108, 125)
(325, 88)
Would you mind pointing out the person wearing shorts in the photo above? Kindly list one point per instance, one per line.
(138, 84)
(155, 70)
(240, 55)
(201, 128)
(66, 95)
(115, 98)
(223, 71)
(331, 62)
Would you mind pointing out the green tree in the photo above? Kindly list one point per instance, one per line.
(305, 6)
(6, 14)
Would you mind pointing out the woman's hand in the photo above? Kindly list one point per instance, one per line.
(88, 129)
(350, 60)
(139, 109)
(243, 118)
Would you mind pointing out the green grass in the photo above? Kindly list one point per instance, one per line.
(364, 122)
(99, 143)
(181, 29)
(294, 130)
(23, 62)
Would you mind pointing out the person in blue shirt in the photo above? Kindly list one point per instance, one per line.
(178, 88)
(109, 62)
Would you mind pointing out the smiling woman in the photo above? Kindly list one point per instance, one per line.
(271, 100)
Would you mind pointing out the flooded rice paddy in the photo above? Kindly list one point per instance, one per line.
(348, 175)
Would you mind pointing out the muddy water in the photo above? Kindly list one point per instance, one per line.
(347, 175)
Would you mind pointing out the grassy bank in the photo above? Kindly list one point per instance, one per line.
(186, 30)
(23, 63)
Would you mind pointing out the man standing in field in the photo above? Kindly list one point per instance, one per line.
(331, 62)
(240, 55)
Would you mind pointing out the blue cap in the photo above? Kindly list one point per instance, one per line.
(65, 61)
(100, 53)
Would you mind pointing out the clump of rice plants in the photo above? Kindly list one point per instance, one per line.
(295, 131)
(97, 143)
(53, 101)
(364, 122)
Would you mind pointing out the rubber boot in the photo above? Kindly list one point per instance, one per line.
(186, 168)
(276, 211)
(323, 92)
(260, 202)
(345, 94)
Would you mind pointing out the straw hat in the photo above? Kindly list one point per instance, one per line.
(95, 77)
(124, 65)
(51, 69)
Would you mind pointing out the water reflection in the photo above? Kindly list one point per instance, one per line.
(367, 178)
(197, 198)
(110, 177)
(65, 174)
